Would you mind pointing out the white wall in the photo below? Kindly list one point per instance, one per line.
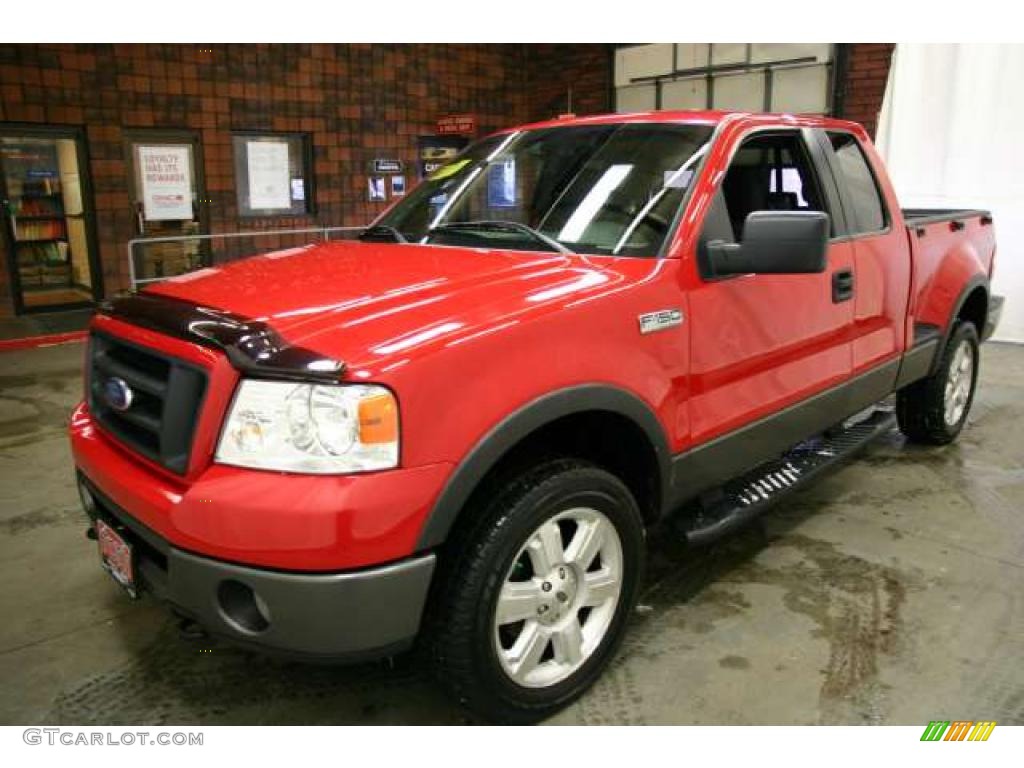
(952, 133)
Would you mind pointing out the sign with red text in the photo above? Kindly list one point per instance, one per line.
(460, 125)
(166, 182)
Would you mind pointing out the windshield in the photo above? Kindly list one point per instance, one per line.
(600, 189)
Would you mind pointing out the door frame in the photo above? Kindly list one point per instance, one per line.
(78, 135)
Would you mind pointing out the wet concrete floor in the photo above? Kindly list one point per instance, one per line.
(892, 591)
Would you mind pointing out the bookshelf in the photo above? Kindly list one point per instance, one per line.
(39, 226)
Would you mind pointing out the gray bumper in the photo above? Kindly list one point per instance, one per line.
(349, 615)
(345, 616)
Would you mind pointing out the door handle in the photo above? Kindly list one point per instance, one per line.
(842, 285)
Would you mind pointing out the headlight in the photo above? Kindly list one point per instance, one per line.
(315, 428)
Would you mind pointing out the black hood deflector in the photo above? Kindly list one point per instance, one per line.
(252, 346)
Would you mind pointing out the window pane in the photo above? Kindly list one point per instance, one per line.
(800, 90)
(635, 98)
(761, 53)
(771, 172)
(728, 53)
(692, 55)
(642, 61)
(859, 182)
(685, 94)
(740, 92)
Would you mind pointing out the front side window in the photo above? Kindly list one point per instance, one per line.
(859, 183)
(770, 172)
(601, 189)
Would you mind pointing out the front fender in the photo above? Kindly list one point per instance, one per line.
(517, 425)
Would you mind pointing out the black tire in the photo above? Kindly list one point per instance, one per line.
(462, 641)
(920, 407)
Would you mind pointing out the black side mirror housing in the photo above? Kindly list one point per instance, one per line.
(774, 243)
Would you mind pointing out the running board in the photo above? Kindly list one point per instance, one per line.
(744, 498)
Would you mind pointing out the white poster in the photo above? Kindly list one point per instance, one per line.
(269, 180)
(166, 183)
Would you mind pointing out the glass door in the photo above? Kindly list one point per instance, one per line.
(50, 250)
(166, 182)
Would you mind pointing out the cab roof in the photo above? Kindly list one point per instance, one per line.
(700, 117)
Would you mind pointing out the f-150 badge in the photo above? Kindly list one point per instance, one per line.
(660, 320)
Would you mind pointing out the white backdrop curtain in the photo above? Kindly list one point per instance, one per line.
(952, 133)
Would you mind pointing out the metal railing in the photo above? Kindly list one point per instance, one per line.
(135, 245)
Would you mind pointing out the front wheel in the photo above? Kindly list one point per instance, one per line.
(934, 410)
(538, 598)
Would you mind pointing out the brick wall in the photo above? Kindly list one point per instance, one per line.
(863, 88)
(356, 102)
(555, 69)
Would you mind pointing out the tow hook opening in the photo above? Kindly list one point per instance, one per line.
(242, 607)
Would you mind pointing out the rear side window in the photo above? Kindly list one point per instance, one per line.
(861, 188)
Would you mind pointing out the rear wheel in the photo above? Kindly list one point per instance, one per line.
(934, 410)
(537, 601)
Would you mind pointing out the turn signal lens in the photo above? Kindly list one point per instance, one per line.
(378, 419)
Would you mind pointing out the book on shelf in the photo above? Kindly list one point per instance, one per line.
(39, 229)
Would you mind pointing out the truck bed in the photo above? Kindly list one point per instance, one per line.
(945, 244)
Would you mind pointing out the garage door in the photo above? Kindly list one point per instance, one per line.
(755, 77)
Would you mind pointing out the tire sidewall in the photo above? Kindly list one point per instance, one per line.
(591, 488)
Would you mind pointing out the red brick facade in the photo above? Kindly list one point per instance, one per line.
(863, 87)
(356, 103)
(561, 76)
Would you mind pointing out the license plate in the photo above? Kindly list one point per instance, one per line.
(116, 556)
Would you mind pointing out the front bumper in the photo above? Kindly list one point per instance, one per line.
(275, 520)
(995, 311)
(349, 615)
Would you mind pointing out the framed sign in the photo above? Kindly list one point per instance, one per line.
(459, 125)
(166, 176)
(501, 185)
(376, 190)
(273, 175)
(386, 165)
(269, 177)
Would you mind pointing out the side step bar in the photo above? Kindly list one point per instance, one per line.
(744, 498)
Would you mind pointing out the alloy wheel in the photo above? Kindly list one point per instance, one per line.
(558, 598)
(958, 384)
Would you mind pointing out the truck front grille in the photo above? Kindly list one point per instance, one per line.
(146, 400)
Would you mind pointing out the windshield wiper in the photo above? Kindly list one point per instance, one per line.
(383, 229)
(507, 226)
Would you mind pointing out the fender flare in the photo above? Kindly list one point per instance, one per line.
(519, 424)
(978, 281)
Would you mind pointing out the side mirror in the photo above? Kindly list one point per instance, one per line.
(774, 243)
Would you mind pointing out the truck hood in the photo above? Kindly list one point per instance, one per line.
(364, 302)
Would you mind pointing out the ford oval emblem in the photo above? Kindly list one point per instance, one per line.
(118, 394)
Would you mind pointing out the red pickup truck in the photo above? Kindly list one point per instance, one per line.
(460, 428)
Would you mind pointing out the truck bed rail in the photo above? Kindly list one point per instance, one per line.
(916, 217)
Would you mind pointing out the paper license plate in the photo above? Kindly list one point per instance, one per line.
(116, 556)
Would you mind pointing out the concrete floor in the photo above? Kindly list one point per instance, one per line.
(890, 592)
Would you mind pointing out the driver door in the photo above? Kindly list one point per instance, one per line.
(764, 346)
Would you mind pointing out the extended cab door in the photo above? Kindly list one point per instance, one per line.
(882, 266)
(762, 343)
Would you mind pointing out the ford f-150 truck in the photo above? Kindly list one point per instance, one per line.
(458, 428)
